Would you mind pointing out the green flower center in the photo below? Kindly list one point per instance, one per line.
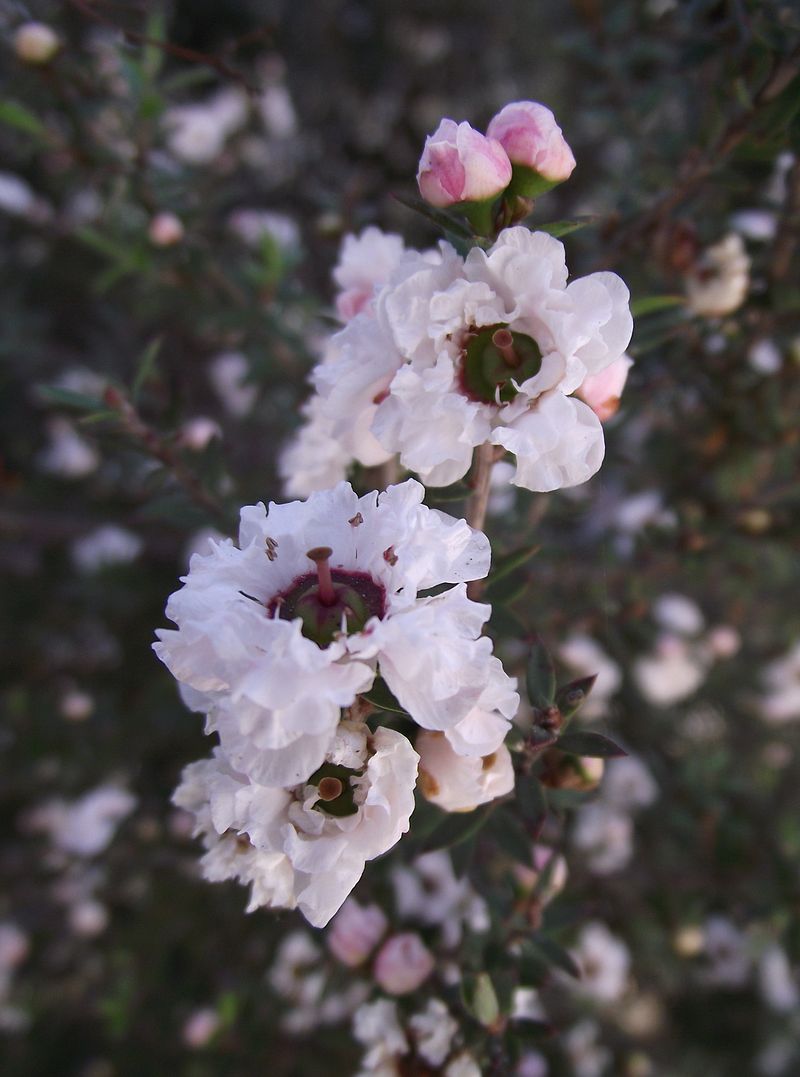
(335, 790)
(491, 357)
(330, 600)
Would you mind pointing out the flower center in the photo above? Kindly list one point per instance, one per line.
(335, 790)
(329, 601)
(491, 357)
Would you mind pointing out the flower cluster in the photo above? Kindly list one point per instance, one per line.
(279, 638)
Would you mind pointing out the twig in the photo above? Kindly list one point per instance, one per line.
(486, 456)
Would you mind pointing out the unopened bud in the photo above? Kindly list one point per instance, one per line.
(36, 43)
(165, 230)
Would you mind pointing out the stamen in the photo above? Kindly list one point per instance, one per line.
(504, 342)
(320, 555)
(330, 788)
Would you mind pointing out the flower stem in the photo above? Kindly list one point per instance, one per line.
(485, 457)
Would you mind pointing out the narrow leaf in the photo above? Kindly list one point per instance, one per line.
(652, 303)
(531, 802)
(380, 696)
(146, 366)
(67, 398)
(540, 677)
(457, 828)
(591, 744)
(511, 836)
(15, 115)
(510, 561)
(570, 697)
(439, 217)
(564, 228)
(557, 955)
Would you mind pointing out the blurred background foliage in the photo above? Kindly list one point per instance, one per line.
(680, 116)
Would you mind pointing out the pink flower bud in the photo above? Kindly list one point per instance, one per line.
(529, 134)
(165, 230)
(36, 43)
(602, 391)
(355, 931)
(200, 1028)
(459, 164)
(402, 964)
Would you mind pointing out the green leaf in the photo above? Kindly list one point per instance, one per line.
(483, 1002)
(531, 801)
(146, 366)
(590, 744)
(16, 115)
(440, 218)
(652, 303)
(380, 696)
(511, 836)
(570, 697)
(565, 227)
(457, 827)
(508, 589)
(511, 561)
(67, 398)
(556, 955)
(540, 677)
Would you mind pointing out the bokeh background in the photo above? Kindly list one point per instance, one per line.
(269, 130)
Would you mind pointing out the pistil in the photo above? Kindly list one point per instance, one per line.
(320, 555)
(329, 789)
(504, 342)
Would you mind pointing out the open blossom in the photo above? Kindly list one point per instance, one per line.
(365, 262)
(197, 133)
(672, 672)
(780, 701)
(604, 961)
(85, 827)
(458, 782)
(719, 283)
(459, 164)
(278, 634)
(491, 348)
(529, 134)
(304, 846)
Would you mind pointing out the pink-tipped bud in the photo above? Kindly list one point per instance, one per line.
(602, 391)
(165, 230)
(36, 43)
(403, 963)
(355, 931)
(532, 139)
(459, 164)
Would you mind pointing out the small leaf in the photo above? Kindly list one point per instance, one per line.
(590, 744)
(456, 828)
(652, 303)
(556, 955)
(441, 219)
(16, 115)
(146, 365)
(564, 228)
(570, 697)
(511, 561)
(483, 1003)
(380, 696)
(67, 398)
(540, 677)
(511, 836)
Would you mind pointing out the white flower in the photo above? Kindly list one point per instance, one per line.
(305, 846)
(68, 455)
(433, 1030)
(628, 784)
(779, 988)
(197, 133)
(428, 892)
(673, 672)
(605, 835)
(588, 1057)
(586, 658)
(491, 348)
(765, 357)
(604, 961)
(463, 1065)
(272, 649)
(84, 827)
(727, 950)
(377, 1026)
(105, 546)
(365, 262)
(679, 614)
(355, 932)
(719, 284)
(314, 459)
(253, 226)
(781, 700)
(227, 374)
(458, 782)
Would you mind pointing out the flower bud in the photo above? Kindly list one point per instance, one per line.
(36, 43)
(563, 771)
(403, 963)
(355, 931)
(458, 782)
(603, 390)
(165, 230)
(459, 164)
(529, 134)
